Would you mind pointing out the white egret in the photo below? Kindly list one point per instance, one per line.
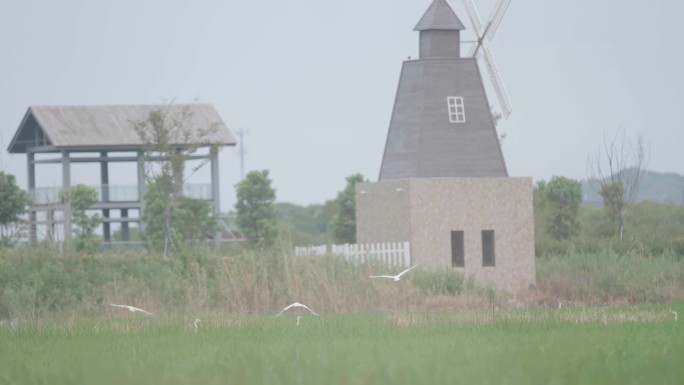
(674, 313)
(394, 277)
(298, 317)
(296, 304)
(132, 309)
(197, 320)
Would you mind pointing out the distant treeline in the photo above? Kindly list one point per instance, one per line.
(654, 186)
(650, 227)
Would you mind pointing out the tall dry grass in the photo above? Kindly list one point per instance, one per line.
(37, 283)
(604, 277)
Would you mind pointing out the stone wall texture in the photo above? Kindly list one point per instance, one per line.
(425, 211)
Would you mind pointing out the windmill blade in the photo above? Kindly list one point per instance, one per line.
(497, 15)
(477, 27)
(474, 51)
(499, 87)
(474, 17)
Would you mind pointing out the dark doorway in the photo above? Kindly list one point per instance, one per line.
(457, 249)
(488, 250)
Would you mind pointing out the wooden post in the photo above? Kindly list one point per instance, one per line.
(66, 183)
(215, 193)
(104, 185)
(141, 188)
(124, 226)
(32, 190)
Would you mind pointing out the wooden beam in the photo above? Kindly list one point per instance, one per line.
(33, 231)
(66, 182)
(97, 159)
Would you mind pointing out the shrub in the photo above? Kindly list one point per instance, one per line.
(443, 281)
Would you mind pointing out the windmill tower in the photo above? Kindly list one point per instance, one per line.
(443, 183)
(441, 124)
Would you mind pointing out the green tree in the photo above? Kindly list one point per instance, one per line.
(171, 138)
(134, 235)
(157, 232)
(255, 211)
(539, 207)
(612, 194)
(563, 197)
(13, 202)
(324, 215)
(615, 173)
(79, 198)
(190, 220)
(193, 220)
(650, 219)
(307, 224)
(343, 223)
(595, 224)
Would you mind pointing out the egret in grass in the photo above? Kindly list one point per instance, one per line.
(294, 305)
(197, 321)
(132, 309)
(298, 317)
(394, 277)
(674, 313)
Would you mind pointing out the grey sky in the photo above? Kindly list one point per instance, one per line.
(314, 81)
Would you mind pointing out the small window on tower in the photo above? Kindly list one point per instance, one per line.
(488, 250)
(457, 251)
(456, 109)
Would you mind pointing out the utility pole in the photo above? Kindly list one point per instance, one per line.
(241, 150)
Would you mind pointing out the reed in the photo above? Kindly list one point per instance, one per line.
(37, 284)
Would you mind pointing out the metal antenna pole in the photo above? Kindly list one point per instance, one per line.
(241, 151)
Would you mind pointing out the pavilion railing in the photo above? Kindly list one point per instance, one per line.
(118, 193)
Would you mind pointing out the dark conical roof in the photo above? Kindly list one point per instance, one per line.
(439, 16)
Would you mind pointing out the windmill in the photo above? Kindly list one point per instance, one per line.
(441, 124)
(479, 50)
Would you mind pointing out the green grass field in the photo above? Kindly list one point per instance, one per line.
(594, 345)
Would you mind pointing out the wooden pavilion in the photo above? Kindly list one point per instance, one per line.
(102, 135)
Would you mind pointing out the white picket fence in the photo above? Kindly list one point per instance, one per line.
(391, 254)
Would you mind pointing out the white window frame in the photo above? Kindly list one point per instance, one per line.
(456, 109)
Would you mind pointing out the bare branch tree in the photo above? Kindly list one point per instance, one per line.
(171, 137)
(615, 172)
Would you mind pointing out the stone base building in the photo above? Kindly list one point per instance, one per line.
(483, 227)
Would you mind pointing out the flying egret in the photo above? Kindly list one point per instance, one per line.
(296, 304)
(132, 309)
(197, 320)
(394, 277)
